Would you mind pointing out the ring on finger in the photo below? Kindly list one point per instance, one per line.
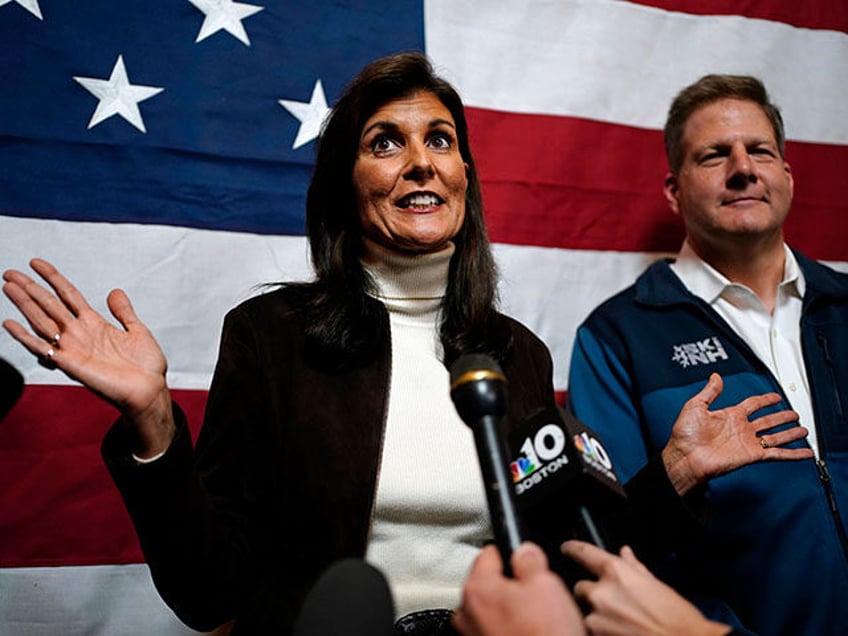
(764, 442)
(46, 360)
(55, 339)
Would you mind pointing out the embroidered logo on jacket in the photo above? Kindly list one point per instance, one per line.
(706, 351)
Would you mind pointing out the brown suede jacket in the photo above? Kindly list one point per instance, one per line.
(282, 481)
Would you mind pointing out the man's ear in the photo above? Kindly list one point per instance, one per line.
(671, 190)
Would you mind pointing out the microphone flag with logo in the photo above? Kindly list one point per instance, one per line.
(565, 486)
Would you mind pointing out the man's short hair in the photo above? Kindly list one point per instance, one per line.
(709, 89)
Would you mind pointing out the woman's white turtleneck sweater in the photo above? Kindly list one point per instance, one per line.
(430, 515)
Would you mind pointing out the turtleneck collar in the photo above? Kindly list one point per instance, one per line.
(407, 276)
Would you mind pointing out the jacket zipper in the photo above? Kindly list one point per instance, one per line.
(824, 473)
(829, 361)
(824, 477)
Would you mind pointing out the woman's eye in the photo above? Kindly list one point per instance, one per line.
(441, 141)
(382, 143)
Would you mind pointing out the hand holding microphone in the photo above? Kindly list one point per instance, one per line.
(625, 598)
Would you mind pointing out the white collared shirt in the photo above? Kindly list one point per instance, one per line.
(775, 337)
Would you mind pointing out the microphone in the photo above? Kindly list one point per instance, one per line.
(11, 387)
(351, 598)
(478, 391)
(565, 487)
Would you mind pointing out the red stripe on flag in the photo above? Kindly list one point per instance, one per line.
(59, 505)
(573, 183)
(815, 14)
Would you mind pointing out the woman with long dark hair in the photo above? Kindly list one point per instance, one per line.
(329, 429)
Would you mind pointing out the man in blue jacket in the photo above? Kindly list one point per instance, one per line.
(737, 302)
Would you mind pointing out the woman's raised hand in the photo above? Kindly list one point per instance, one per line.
(123, 365)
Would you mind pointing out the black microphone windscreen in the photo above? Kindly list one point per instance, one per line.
(470, 362)
(477, 387)
(11, 387)
(351, 598)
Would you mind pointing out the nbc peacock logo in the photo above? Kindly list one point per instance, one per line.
(594, 453)
(545, 446)
(522, 467)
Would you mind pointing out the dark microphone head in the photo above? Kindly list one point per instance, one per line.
(11, 387)
(351, 598)
(478, 387)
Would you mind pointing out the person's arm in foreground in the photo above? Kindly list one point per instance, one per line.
(534, 603)
(627, 600)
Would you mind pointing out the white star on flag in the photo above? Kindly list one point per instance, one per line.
(224, 14)
(311, 115)
(29, 5)
(117, 96)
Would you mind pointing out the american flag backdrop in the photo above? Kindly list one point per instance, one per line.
(165, 147)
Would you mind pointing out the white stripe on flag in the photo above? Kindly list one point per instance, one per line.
(110, 600)
(549, 290)
(181, 281)
(623, 63)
